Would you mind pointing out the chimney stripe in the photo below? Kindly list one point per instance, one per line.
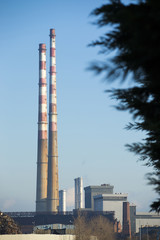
(43, 108)
(43, 127)
(42, 81)
(42, 65)
(42, 117)
(42, 90)
(42, 134)
(43, 73)
(42, 99)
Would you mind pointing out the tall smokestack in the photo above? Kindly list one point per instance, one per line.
(42, 160)
(53, 186)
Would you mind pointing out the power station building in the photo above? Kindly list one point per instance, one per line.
(102, 199)
(48, 197)
(99, 200)
(91, 191)
(111, 202)
(147, 219)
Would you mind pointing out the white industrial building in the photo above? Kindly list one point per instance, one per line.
(111, 202)
(147, 219)
(91, 191)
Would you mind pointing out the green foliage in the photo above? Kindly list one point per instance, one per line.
(134, 39)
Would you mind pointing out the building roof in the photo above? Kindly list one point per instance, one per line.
(100, 186)
(113, 197)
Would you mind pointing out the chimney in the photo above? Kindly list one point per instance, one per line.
(53, 186)
(42, 159)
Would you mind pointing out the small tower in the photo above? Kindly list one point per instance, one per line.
(62, 201)
(78, 193)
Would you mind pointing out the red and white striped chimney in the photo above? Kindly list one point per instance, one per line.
(42, 158)
(53, 185)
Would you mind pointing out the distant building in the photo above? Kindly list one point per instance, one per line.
(92, 191)
(117, 226)
(78, 193)
(111, 202)
(126, 220)
(151, 232)
(133, 218)
(148, 219)
(141, 220)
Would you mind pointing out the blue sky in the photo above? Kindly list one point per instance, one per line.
(91, 133)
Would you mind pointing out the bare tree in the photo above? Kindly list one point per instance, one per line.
(97, 228)
(82, 231)
(102, 228)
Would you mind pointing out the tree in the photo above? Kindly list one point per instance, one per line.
(97, 228)
(7, 225)
(101, 228)
(82, 231)
(134, 40)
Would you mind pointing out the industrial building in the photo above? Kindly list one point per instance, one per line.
(102, 199)
(111, 202)
(91, 191)
(49, 200)
(126, 220)
(133, 218)
(149, 219)
(142, 219)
